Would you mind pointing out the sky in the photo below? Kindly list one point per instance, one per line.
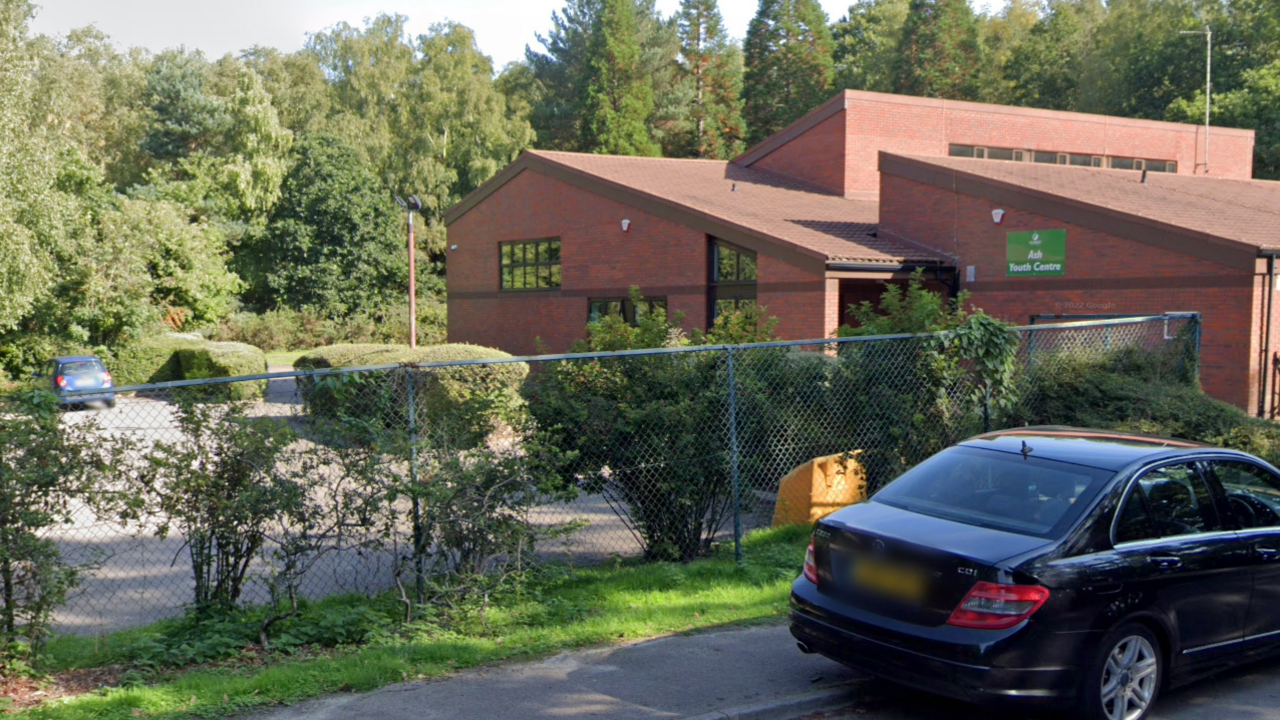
(502, 27)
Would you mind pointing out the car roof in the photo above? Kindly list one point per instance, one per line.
(1105, 449)
(74, 358)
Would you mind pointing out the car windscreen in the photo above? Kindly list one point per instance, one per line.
(1005, 491)
(80, 367)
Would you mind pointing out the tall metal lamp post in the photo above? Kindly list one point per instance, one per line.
(1207, 32)
(411, 206)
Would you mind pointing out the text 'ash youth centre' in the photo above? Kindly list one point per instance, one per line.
(1034, 212)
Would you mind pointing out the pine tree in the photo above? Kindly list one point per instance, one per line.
(788, 64)
(619, 95)
(713, 68)
(866, 44)
(940, 54)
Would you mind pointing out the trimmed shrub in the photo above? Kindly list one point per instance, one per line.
(225, 359)
(152, 359)
(1137, 390)
(459, 404)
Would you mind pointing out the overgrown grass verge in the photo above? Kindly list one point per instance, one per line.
(564, 608)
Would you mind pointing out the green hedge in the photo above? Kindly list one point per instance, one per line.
(162, 358)
(464, 402)
(152, 359)
(226, 359)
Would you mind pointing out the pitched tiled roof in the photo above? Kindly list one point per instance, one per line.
(717, 194)
(1219, 209)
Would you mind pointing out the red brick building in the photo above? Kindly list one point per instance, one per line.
(868, 188)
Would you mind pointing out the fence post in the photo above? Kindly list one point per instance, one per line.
(733, 460)
(419, 582)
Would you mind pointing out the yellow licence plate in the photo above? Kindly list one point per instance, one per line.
(889, 579)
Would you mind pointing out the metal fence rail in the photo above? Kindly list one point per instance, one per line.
(657, 452)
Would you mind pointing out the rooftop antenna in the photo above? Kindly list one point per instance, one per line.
(1144, 176)
(1026, 449)
(734, 188)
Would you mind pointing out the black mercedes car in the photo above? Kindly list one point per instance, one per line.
(1051, 566)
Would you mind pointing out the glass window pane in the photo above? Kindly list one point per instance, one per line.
(746, 267)
(999, 153)
(507, 281)
(1157, 166)
(1253, 493)
(1045, 157)
(506, 253)
(1080, 160)
(555, 276)
(1096, 161)
(544, 276)
(1134, 522)
(726, 264)
(723, 307)
(553, 251)
(1121, 163)
(1171, 167)
(961, 151)
(1179, 501)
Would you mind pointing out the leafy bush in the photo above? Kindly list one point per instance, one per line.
(643, 431)
(287, 329)
(151, 359)
(465, 399)
(220, 488)
(225, 359)
(1136, 390)
(162, 358)
(48, 469)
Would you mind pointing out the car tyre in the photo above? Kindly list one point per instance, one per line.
(110, 403)
(1123, 680)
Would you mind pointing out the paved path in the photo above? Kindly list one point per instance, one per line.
(665, 678)
(695, 674)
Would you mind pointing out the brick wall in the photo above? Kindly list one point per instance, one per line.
(598, 260)
(872, 122)
(1104, 274)
(816, 156)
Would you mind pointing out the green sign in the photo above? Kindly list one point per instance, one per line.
(1037, 253)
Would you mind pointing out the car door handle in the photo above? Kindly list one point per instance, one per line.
(1266, 553)
(1166, 562)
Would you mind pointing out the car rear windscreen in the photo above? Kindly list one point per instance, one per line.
(1004, 491)
(80, 367)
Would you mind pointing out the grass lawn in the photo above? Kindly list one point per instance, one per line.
(587, 606)
(285, 357)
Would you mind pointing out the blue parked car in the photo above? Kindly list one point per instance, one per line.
(80, 372)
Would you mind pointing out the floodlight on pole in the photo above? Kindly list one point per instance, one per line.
(410, 206)
(1207, 32)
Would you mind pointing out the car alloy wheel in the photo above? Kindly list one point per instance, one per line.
(1130, 678)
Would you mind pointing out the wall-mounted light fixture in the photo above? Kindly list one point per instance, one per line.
(453, 247)
(997, 216)
(626, 226)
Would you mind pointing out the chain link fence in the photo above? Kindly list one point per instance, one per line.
(653, 454)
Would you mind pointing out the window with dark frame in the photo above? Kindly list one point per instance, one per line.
(632, 313)
(733, 278)
(529, 264)
(1058, 158)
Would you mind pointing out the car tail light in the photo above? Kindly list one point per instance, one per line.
(106, 378)
(60, 381)
(990, 606)
(810, 567)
